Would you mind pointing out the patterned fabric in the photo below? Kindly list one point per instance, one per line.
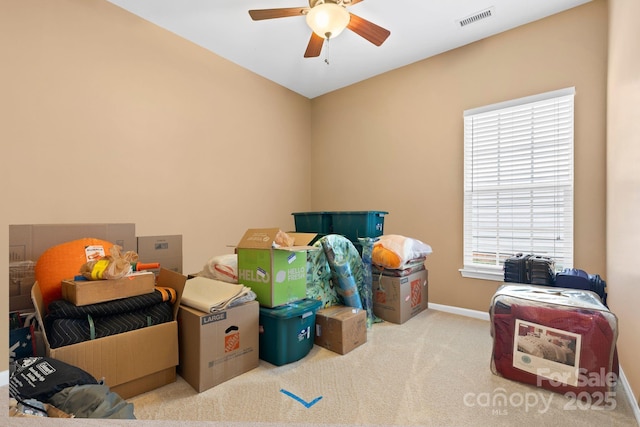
(68, 324)
(366, 288)
(320, 285)
(341, 275)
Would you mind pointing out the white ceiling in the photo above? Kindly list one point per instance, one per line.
(274, 48)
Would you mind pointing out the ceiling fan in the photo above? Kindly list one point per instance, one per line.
(327, 19)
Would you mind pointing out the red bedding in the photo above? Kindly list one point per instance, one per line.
(532, 340)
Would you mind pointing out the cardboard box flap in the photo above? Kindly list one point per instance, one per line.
(339, 312)
(258, 238)
(175, 280)
(124, 359)
(264, 238)
(38, 303)
(303, 239)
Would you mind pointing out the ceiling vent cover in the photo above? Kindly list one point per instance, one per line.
(484, 14)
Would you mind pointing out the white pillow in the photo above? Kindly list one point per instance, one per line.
(393, 251)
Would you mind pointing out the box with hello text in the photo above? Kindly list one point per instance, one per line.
(277, 274)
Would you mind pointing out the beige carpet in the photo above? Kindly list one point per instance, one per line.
(431, 371)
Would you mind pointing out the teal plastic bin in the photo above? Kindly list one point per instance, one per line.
(312, 222)
(287, 332)
(358, 224)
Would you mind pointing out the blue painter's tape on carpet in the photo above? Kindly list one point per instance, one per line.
(302, 401)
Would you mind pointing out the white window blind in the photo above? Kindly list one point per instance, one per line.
(518, 182)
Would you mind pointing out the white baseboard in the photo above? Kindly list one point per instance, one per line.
(461, 311)
(632, 401)
(4, 378)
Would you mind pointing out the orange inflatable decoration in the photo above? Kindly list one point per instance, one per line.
(62, 262)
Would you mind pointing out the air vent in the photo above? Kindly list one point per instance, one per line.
(487, 13)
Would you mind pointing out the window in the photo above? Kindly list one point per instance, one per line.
(518, 182)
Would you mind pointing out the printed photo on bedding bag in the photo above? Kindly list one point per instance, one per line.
(548, 352)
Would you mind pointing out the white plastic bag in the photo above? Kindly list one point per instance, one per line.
(393, 251)
(222, 267)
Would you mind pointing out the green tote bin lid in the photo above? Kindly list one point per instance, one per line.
(294, 309)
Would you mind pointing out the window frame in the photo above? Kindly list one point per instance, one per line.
(495, 271)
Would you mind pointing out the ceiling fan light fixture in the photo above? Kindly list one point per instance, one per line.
(328, 20)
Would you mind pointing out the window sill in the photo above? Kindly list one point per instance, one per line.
(497, 276)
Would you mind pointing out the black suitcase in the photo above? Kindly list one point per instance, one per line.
(542, 270)
(515, 269)
(599, 286)
(575, 278)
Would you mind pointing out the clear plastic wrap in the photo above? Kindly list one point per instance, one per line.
(563, 340)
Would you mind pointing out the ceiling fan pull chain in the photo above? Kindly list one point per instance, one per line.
(326, 52)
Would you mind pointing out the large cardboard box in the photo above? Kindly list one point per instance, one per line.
(340, 328)
(277, 275)
(165, 250)
(132, 362)
(84, 292)
(398, 299)
(215, 347)
(28, 241)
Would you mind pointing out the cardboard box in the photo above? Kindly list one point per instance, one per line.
(21, 278)
(28, 241)
(132, 362)
(215, 347)
(340, 328)
(83, 292)
(52, 412)
(277, 276)
(166, 250)
(398, 299)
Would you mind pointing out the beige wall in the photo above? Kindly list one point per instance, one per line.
(396, 140)
(623, 181)
(110, 119)
(105, 117)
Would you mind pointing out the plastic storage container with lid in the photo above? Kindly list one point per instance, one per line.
(287, 332)
(355, 224)
(351, 224)
(312, 222)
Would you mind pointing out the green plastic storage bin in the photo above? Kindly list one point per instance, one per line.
(312, 222)
(287, 332)
(358, 224)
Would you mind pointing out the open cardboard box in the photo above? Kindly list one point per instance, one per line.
(84, 292)
(132, 362)
(277, 275)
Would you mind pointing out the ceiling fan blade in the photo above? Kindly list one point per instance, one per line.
(314, 47)
(284, 12)
(370, 31)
